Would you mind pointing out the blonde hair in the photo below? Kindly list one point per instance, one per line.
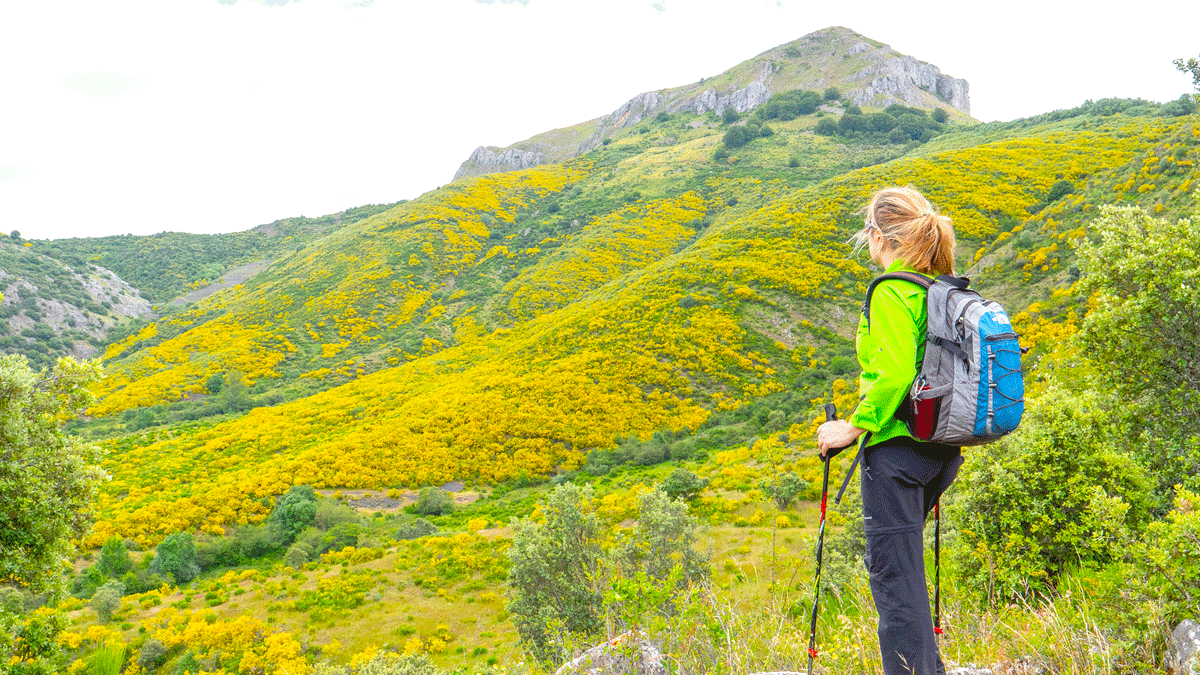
(912, 229)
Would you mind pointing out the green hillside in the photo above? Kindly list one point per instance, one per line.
(670, 308)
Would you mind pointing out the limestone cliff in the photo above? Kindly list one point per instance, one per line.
(868, 73)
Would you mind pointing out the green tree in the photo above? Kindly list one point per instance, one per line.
(293, 512)
(114, 557)
(554, 575)
(1142, 329)
(48, 479)
(663, 537)
(729, 115)
(1191, 66)
(214, 383)
(108, 600)
(832, 94)
(826, 127)
(432, 501)
(940, 116)
(233, 395)
(683, 484)
(15, 235)
(785, 488)
(176, 557)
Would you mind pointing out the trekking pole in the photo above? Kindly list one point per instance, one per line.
(830, 415)
(937, 570)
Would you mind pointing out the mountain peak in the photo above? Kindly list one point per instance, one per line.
(868, 73)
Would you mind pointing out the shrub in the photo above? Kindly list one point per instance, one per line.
(176, 557)
(1059, 190)
(850, 123)
(793, 162)
(736, 137)
(432, 501)
(784, 489)
(853, 110)
(832, 94)
(108, 600)
(729, 115)
(940, 116)
(114, 557)
(881, 122)
(554, 575)
(293, 512)
(416, 529)
(1055, 493)
(683, 484)
(151, 652)
(296, 556)
(826, 127)
(331, 513)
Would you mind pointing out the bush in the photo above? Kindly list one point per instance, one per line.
(151, 653)
(108, 600)
(881, 122)
(940, 116)
(736, 137)
(416, 529)
(683, 484)
(114, 557)
(785, 488)
(850, 123)
(297, 555)
(1059, 190)
(432, 501)
(1054, 494)
(826, 127)
(853, 110)
(554, 575)
(793, 162)
(832, 94)
(331, 513)
(176, 557)
(293, 512)
(729, 115)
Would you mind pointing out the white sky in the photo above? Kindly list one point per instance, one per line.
(214, 116)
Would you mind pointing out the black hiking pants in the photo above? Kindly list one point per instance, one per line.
(900, 485)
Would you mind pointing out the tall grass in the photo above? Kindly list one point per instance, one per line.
(107, 660)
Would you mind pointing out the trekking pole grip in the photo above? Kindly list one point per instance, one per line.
(830, 416)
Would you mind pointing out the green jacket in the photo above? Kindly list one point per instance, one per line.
(888, 354)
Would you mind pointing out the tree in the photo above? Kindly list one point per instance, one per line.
(151, 652)
(729, 115)
(176, 556)
(15, 235)
(554, 574)
(1190, 66)
(736, 137)
(214, 383)
(785, 488)
(826, 127)
(1142, 328)
(940, 116)
(663, 537)
(48, 479)
(114, 557)
(294, 511)
(683, 484)
(832, 94)
(108, 600)
(233, 395)
(432, 501)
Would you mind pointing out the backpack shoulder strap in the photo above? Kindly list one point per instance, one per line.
(918, 279)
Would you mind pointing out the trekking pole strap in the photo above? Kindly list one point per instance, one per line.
(862, 445)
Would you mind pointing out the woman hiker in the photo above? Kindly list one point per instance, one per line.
(902, 478)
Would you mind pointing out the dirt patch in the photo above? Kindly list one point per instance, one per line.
(370, 501)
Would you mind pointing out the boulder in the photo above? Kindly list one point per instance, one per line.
(627, 654)
(1183, 649)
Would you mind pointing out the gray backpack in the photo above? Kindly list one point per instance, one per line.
(968, 389)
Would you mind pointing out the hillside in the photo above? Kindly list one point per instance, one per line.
(869, 74)
(72, 296)
(678, 296)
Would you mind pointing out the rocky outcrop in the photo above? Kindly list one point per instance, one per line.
(488, 160)
(627, 654)
(633, 111)
(1183, 649)
(900, 79)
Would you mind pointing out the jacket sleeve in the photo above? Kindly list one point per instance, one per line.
(891, 359)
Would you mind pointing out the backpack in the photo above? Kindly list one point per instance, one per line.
(968, 389)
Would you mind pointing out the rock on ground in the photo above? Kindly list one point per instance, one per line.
(626, 654)
(1183, 650)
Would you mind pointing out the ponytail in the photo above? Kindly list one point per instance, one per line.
(919, 236)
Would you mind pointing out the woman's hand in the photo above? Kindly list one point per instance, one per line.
(836, 434)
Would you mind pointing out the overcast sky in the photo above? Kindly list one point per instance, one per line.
(218, 115)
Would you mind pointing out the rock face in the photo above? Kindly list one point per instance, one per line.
(897, 79)
(1183, 650)
(627, 654)
(878, 77)
(487, 160)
